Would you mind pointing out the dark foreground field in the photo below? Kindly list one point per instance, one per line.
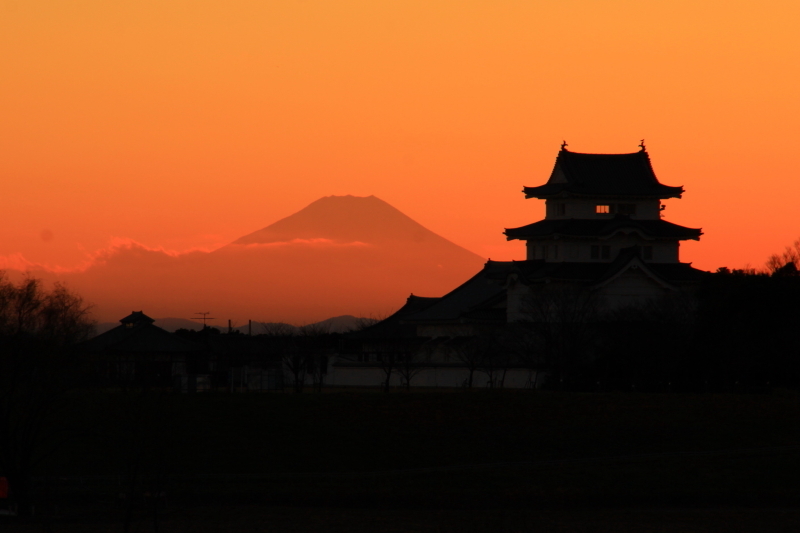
(423, 461)
(248, 518)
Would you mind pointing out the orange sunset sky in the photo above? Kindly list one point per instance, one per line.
(187, 124)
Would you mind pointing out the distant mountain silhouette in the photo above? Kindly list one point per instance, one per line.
(350, 219)
(336, 324)
(267, 328)
(341, 255)
(339, 324)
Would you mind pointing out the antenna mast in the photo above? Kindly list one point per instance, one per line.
(204, 317)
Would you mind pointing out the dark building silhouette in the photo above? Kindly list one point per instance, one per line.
(604, 230)
(603, 238)
(137, 351)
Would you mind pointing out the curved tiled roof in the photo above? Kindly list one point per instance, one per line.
(476, 295)
(576, 174)
(137, 317)
(392, 326)
(602, 227)
(141, 338)
(482, 297)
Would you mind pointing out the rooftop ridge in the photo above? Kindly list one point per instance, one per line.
(589, 174)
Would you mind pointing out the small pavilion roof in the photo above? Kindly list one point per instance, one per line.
(138, 334)
(137, 317)
(603, 227)
(599, 175)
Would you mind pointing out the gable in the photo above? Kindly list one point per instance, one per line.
(630, 287)
(557, 176)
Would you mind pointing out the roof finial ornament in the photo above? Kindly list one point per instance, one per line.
(642, 146)
(564, 145)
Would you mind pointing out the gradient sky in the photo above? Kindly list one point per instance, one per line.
(187, 124)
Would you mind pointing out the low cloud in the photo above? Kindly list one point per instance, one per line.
(118, 249)
(302, 242)
(122, 250)
(294, 280)
(127, 251)
(18, 262)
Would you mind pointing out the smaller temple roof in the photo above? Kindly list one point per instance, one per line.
(593, 228)
(598, 175)
(137, 317)
(138, 334)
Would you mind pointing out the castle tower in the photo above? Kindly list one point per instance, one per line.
(600, 204)
(604, 232)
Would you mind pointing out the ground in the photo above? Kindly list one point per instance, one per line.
(427, 461)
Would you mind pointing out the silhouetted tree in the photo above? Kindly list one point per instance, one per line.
(363, 323)
(493, 359)
(294, 362)
(647, 346)
(465, 349)
(38, 331)
(386, 357)
(747, 330)
(293, 355)
(198, 334)
(303, 352)
(782, 261)
(278, 329)
(562, 319)
(525, 348)
(314, 343)
(410, 359)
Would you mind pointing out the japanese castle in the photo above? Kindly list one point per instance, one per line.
(603, 232)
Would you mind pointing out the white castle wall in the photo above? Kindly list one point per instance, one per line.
(431, 377)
